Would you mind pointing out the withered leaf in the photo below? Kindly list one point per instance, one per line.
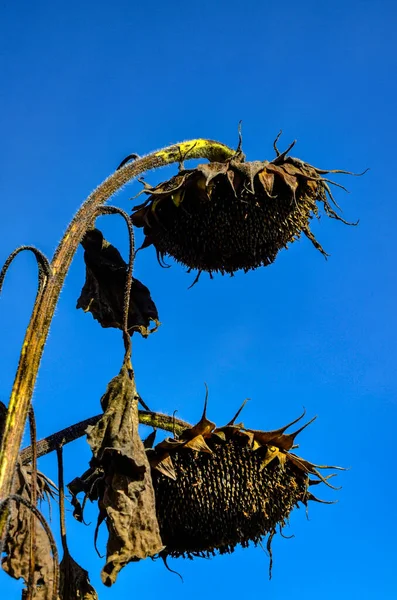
(104, 288)
(124, 486)
(17, 543)
(74, 583)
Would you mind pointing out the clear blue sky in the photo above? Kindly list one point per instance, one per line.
(85, 83)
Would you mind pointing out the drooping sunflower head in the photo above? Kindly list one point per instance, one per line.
(232, 215)
(216, 488)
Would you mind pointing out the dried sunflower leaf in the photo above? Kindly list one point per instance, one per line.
(87, 484)
(104, 288)
(74, 582)
(126, 496)
(16, 561)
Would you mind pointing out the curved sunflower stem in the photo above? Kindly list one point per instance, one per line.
(43, 311)
(42, 263)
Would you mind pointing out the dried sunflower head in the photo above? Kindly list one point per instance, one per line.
(219, 487)
(232, 215)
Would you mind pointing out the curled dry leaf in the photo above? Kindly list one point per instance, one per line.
(74, 583)
(17, 544)
(104, 289)
(120, 479)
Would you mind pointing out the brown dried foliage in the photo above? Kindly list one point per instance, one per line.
(74, 583)
(103, 293)
(16, 549)
(120, 479)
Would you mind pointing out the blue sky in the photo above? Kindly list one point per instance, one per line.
(84, 84)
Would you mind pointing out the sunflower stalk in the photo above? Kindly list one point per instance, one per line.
(168, 499)
(48, 293)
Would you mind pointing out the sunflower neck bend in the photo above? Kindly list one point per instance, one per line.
(47, 298)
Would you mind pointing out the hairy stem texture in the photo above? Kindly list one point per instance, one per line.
(43, 311)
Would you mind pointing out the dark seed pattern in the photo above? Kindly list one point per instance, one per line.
(215, 227)
(223, 499)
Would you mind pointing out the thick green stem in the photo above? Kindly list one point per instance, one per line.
(43, 311)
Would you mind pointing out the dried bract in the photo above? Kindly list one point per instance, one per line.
(232, 215)
(103, 293)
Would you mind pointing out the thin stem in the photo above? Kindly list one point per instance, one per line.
(76, 431)
(46, 300)
(61, 489)
(111, 210)
(42, 263)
